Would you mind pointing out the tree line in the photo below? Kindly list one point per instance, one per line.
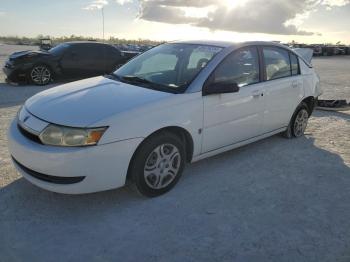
(17, 40)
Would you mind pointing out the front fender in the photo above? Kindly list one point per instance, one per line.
(183, 110)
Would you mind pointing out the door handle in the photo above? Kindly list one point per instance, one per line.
(257, 94)
(294, 84)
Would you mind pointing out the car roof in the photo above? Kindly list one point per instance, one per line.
(225, 44)
(85, 42)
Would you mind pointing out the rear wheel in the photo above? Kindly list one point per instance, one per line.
(298, 123)
(158, 164)
(40, 75)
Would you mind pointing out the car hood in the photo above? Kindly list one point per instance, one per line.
(28, 53)
(82, 103)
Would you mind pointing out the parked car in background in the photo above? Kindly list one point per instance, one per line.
(129, 54)
(71, 59)
(341, 50)
(317, 49)
(347, 50)
(324, 49)
(176, 103)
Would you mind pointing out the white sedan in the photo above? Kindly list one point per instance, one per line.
(176, 103)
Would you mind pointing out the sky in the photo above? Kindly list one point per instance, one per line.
(308, 21)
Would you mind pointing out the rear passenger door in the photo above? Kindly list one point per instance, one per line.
(283, 86)
(94, 58)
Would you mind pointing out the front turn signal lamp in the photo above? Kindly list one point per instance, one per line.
(70, 136)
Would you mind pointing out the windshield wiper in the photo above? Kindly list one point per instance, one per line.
(137, 79)
(113, 76)
(128, 78)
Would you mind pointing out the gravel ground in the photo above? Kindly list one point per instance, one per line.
(274, 200)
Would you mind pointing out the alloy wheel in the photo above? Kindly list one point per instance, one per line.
(40, 75)
(300, 122)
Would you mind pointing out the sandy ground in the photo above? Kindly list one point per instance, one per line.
(274, 200)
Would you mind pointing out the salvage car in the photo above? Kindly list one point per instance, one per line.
(71, 59)
(174, 104)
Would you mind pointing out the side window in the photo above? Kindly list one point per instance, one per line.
(199, 59)
(295, 64)
(83, 51)
(241, 67)
(72, 49)
(277, 64)
(163, 62)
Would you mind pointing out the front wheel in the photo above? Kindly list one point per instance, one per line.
(158, 164)
(298, 123)
(40, 75)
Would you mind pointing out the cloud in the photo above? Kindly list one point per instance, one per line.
(96, 4)
(252, 16)
(123, 2)
(332, 3)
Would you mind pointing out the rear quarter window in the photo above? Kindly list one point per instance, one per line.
(294, 61)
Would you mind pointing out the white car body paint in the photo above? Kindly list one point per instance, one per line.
(216, 123)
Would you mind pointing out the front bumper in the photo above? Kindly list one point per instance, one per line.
(14, 73)
(9, 72)
(96, 168)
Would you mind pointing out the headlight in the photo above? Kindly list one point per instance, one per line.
(69, 136)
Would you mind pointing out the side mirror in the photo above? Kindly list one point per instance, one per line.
(220, 88)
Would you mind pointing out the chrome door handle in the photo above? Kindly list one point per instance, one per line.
(257, 94)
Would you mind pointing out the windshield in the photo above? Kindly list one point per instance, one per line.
(58, 49)
(168, 67)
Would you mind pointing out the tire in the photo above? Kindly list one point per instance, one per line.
(298, 123)
(40, 75)
(158, 164)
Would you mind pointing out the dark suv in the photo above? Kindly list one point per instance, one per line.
(72, 59)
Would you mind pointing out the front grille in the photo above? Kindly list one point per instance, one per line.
(29, 135)
(47, 178)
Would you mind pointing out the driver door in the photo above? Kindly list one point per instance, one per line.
(234, 117)
(78, 60)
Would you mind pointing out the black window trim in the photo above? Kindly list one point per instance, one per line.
(256, 47)
(290, 60)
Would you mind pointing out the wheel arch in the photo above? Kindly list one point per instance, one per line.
(310, 102)
(181, 132)
(42, 63)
